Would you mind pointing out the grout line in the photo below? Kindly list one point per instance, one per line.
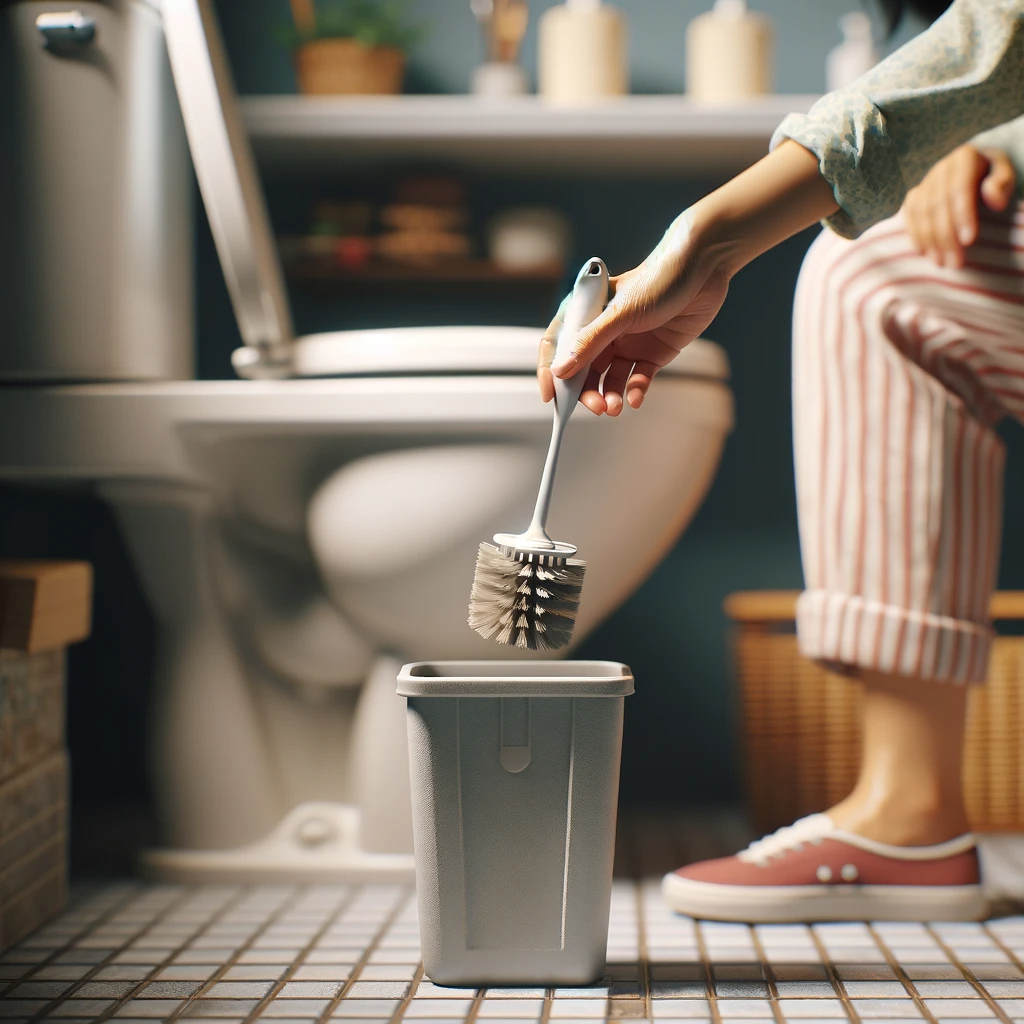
(968, 975)
(641, 947)
(474, 1007)
(413, 986)
(108, 960)
(547, 1006)
(716, 1016)
(900, 973)
(100, 919)
(830, 969)
(371, 947)
(768, 973)
(232, 960)
(1016, 960)
(627, 1002)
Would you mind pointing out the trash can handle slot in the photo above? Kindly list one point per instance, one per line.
(515, 733)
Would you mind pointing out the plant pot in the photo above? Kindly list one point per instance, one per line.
(332, 67)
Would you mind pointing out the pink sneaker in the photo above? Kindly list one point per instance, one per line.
(812, 871)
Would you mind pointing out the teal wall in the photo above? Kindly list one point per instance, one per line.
(805, 30)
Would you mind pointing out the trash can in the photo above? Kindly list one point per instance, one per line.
(515, 772)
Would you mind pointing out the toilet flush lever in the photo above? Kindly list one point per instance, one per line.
(62, 29)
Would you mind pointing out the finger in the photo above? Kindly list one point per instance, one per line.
(546, 382)
(591, 395)
(545, 356)
(965, 217)
(943, 227)
(549, 343)
(928, 234)
(912, 219)
(1000, 183)
(639, 383)
(593, 340)
(615, 383)
(919, 221)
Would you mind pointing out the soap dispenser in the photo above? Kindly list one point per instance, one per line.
(729, 53)
(583, 54)
(854, 56)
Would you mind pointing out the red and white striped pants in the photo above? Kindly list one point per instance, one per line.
(901, 369)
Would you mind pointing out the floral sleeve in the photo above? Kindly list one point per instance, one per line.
(877, 139)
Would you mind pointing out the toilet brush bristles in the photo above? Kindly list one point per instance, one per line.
(525, 599)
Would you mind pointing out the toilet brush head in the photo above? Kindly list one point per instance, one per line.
(525, 598)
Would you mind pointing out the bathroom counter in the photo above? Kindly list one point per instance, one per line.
(635, 135)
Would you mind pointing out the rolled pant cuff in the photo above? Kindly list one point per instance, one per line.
(847, 630)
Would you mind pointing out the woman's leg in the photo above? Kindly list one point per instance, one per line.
(908, 792)
(899, 483)
(901, 369)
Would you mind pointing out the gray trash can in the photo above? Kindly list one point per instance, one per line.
(515, 773)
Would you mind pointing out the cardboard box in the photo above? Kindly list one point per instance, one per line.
(44, 606)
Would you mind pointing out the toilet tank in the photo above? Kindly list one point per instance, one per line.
(95, 199)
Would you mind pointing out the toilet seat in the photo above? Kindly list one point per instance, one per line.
(458, 350)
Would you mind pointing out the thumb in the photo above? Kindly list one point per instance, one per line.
(999, 184)
(592, 340)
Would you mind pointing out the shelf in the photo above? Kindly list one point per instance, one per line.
(636, 135)
(327, 275)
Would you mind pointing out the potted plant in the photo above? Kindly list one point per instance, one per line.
(351, 46)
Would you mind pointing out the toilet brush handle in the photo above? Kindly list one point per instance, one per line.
(588, 298)
(567, 393)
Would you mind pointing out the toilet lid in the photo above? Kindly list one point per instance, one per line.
(226, 172)
(425, 350)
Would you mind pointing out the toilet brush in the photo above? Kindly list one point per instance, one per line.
(526, 588)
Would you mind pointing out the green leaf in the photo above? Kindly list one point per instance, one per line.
(371, 22)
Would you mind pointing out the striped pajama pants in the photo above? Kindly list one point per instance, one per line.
(901, 369)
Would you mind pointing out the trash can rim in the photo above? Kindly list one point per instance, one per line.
(515, 679)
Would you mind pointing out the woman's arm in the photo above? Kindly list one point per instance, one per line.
(851, 160)
(661, 306)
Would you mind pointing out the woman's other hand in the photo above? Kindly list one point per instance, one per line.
(941, 213)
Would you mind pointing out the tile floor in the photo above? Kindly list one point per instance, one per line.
(143, 952)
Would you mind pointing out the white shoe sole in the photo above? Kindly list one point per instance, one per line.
(771, 904)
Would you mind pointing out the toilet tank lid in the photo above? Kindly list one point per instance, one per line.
(515, 679)
(425, 350)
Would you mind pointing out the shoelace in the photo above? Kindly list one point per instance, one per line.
(811, 829)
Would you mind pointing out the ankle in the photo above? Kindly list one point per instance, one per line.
(901, 821)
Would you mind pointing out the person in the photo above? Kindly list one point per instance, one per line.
(908, 349)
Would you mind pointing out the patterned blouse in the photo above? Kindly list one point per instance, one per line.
(878, 138)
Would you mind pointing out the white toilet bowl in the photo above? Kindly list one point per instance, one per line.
(297, 539)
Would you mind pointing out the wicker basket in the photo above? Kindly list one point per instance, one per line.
(800, 725)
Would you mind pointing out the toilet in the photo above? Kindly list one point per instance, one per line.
(302, 531)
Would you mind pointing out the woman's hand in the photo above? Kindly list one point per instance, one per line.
(658, 308)
(941, 214)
